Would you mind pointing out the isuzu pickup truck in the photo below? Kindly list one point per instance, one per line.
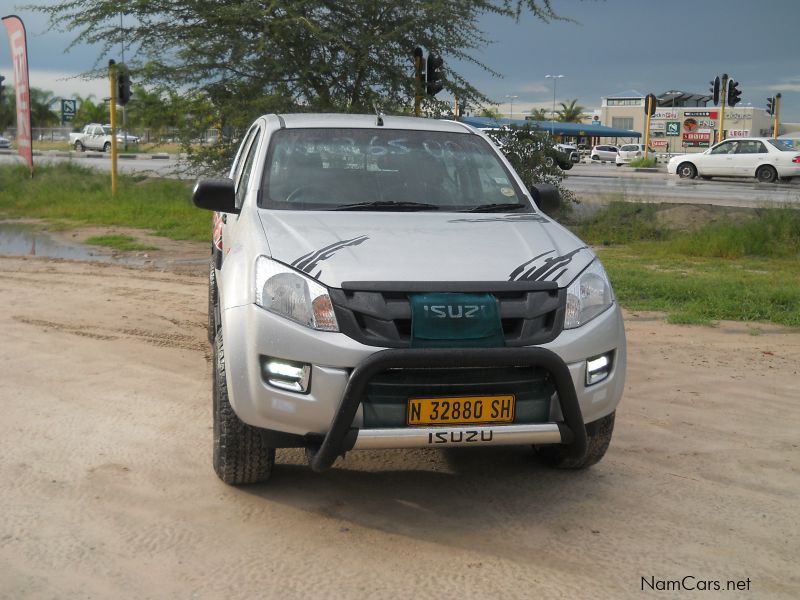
(389, 282)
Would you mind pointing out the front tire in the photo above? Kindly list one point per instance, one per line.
(598, 435)
(766, 174)
(107, 147)
(79, 147)
(687, 171)
(241, 454)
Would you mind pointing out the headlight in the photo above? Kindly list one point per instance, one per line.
(291, 294)
(588, 296)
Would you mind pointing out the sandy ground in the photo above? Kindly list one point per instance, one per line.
(108, 492)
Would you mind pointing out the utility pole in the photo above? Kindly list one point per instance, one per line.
(555, 79)
(112, 77)
(723, 92)
(418, 66)
(511, 103)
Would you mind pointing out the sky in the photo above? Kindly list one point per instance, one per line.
(612, 46)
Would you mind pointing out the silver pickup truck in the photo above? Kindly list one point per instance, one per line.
(389, 282)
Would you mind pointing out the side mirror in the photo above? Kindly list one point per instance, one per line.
(546, 197)
(215, 194)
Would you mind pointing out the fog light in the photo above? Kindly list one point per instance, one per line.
(598, 368)
(285, 374)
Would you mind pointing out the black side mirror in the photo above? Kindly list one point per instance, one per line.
(215, 194)
(546, 197)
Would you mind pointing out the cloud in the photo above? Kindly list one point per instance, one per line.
(785, 87)
(533, 88)
(66, 84)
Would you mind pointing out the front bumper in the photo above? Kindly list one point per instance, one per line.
(329, 418)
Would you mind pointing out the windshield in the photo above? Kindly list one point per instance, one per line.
(384, 169)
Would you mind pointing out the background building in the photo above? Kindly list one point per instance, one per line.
(683, 121)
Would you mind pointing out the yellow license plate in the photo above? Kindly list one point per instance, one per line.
(461, 410)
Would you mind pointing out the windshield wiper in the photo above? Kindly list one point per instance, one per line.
(497, 207)
(387, 205)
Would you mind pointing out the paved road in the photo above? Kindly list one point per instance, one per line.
(161, 167)
(608, 182)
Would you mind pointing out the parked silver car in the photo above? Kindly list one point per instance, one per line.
(604, 153)
(389, 282)
(629, 152)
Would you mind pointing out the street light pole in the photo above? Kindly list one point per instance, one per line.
(555, 79)
(511, 103)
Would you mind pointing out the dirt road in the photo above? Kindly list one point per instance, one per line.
(107, 488)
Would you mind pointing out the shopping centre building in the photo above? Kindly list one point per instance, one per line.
(683, 122)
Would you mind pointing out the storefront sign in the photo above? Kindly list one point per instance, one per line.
(696, 139)
(665, 114)
(738, 133)
(657, 125)
(711, 114)
(673, 128)
(696, 136)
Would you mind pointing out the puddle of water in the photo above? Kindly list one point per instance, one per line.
(25, 240)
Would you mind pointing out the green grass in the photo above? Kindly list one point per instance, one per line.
(123, 243)
(639, 163)
(68, 193)
(747, 271)
(704, 289)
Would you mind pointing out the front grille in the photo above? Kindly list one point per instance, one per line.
(531, 313)
(387, 393)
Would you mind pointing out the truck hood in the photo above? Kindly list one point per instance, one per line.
(335, 247)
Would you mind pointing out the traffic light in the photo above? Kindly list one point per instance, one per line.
(2, 90)
(714, 89)
(650, 105)
(433, 75)
(734, 94)
(771, 106)
(123, 86)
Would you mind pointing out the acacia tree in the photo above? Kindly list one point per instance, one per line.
(251, 57)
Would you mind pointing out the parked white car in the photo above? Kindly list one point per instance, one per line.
(5, 143)
(604, 153)
(629, 152)
(766, 159)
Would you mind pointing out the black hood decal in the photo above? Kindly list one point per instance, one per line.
(535, 218)
(308, 262)
(542, 270)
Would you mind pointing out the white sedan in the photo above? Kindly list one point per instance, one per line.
(766, 159)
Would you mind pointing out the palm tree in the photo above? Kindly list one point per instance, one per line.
(89, 111)
(570, 113)
(539, 114)
(41, 113)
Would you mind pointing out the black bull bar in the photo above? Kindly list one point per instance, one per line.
(342, 436)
